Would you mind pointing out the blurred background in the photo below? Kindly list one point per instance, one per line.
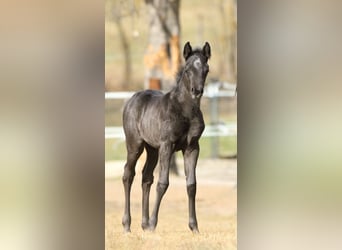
(144, 43)
(143, 46)
(52, 152)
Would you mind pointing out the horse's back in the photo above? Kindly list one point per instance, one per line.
(140, 100)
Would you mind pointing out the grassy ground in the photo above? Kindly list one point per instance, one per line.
(220, 236)
(215, 204)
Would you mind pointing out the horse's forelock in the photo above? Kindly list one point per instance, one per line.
(196, 55)
(199, 52)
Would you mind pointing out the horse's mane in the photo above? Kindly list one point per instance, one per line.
(179, 74)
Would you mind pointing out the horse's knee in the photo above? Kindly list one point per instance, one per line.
(146, 184)
(191, 189)
(162, 187)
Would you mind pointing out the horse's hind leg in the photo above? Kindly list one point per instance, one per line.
(165, 152)
(147, 180)
(133, 153)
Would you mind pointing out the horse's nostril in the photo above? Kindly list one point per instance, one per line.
(197, 92)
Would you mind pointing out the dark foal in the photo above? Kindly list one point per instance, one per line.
(162, 124)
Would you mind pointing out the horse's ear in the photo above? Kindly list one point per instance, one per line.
(206, 50)
(187, 51)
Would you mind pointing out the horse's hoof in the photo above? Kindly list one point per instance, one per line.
(152, 224)
(126, 228)
(151, 228)
(194, 228)
(145, 226)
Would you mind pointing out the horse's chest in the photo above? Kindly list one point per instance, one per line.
(195, 131)
(188, 131)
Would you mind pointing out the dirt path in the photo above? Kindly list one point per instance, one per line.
(216, 210)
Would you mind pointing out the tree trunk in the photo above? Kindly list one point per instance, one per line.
(127, 55)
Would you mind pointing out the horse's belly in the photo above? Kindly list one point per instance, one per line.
(154, 133)
(150, 133)
(181, 143)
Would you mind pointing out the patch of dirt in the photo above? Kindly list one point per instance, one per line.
(216, 204)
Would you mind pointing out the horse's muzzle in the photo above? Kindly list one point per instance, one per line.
(196, 93)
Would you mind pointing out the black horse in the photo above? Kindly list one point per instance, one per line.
(162, 124)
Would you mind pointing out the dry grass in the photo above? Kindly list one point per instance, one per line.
(220, 236)
(216, 214)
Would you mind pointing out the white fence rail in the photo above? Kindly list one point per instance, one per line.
(116, 132)
(211, 91)
(216, 129)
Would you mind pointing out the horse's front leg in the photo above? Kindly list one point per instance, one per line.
(190, 160)
(165, 152)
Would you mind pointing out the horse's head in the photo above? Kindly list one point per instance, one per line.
(196, 68)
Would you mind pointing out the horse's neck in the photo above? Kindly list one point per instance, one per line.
(188, 105)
